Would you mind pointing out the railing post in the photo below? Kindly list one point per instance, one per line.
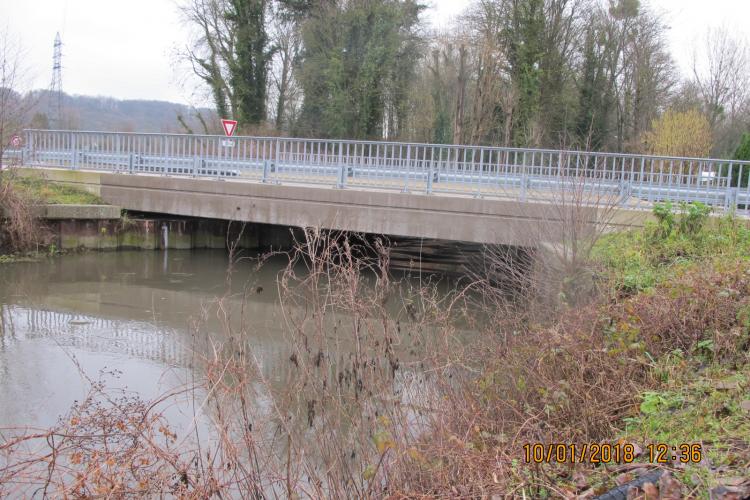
(164, 165)
(730, 200)
(276, 160)
(478, 194)
(29, 140)
(626, 189)
(28, 148)
(341, 184)
(524, 178)
(74, 161)
(196, 164)
(406, 176)
(266, 168)
(130, 162)
(431, 170)
(342, 175)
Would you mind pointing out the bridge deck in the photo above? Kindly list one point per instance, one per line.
(471, 193)
(523, 174)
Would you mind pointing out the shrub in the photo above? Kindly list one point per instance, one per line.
(665, 218)
(693, 217)
(680, 134)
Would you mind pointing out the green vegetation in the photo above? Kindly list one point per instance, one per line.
(743, 150)
(689, 317)
(740, 173)
(41, 191)
(707, 406)
(638, 260)
(360, 59)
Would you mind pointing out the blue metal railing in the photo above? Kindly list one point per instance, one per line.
(480, 171)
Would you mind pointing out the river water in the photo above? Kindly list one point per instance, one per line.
(124, 316)
(127, 317)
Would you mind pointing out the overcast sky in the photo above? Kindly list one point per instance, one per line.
(127, 49)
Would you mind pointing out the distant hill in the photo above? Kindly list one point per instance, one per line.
(114, 115)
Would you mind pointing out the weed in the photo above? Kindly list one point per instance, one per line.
(693, 217)
(666, 219)
(698, 409)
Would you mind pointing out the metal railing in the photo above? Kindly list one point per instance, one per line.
(480, 171)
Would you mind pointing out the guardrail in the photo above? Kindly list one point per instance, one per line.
(523, 174)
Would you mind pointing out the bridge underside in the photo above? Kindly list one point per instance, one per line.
(457, 218)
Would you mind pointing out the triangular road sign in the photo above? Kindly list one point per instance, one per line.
(229, 127)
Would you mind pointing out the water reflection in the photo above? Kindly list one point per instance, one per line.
(129, 311)
(146, 320)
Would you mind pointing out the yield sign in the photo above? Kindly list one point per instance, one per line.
(229, 127)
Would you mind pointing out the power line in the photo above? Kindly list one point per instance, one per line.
(56, 93)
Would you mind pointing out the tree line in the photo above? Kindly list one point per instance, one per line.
(585, 74)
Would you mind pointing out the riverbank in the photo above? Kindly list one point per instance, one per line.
(39, 218)
(653, 375)
(43, 218)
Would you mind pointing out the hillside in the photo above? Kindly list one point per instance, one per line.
(109, 114)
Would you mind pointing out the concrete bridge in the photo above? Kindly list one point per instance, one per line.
(467, 193)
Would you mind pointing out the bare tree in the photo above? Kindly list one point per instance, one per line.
(211, 51)
(721, 75)
(14, 105)
(491, 80)
(286, 39)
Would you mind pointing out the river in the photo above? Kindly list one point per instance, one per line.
(141, 324)
(128, 318)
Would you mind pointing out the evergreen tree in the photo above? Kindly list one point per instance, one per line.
(232, 55)
(595, 100)
(524, 36)
(742, 153)
(249, 68)
(357, 62)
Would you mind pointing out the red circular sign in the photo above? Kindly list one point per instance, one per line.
(15, 141)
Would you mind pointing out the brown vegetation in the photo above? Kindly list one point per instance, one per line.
(20, 229)
(573, 381)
